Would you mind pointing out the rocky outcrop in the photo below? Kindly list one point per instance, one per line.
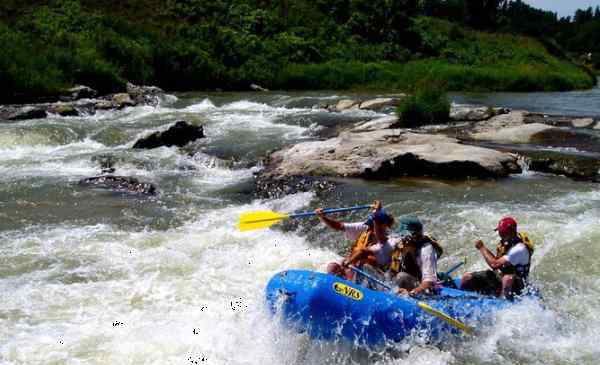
(388, 122)
(474, 114)
(577, 167)
(77, 102)
(345, 104)
(122, 100)
(582, 122)
(379, 103)
(376, 104)
(531, 133)
(122, 184)
(256, 87)
(15, 113)
(144, 95)
(79, 92)
(388, 153)
(267, 187)
(178, 135)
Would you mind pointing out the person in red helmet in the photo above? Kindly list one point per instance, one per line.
(509, 266)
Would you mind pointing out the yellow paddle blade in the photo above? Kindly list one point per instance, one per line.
(443, 316)
(259, 219)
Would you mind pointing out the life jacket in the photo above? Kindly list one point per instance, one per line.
(364, 240)
(502, 249)
(404, 256)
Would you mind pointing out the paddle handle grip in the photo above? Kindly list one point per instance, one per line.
(329, 211)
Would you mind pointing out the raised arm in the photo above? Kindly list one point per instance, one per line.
(492, 261)
(331, 223)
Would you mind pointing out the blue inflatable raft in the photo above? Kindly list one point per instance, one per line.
(330, 308)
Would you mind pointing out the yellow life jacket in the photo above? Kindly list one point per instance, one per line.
(502, 249)
(404, 256)
(364, 240)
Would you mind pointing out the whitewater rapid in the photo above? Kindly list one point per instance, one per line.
(92, 277)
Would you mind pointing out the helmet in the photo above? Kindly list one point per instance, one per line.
(506, 225)
(409, 225)
(381, 216)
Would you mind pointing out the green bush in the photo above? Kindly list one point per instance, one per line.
(428, 105)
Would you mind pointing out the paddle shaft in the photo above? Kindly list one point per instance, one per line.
(454, 268)
(329, 211)
(424, 306)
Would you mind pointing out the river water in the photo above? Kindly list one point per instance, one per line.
(89, 276)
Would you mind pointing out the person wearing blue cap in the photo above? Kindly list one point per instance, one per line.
(413, 265)
(371, 248)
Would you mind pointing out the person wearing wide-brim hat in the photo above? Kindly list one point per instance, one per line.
(414, 260)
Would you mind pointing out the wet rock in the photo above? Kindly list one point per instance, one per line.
(64, 110)
(145, 95)
(178, 135)
(122, 184)
(122, 100)
(106, 161)
(345, 104)
(388, 122)
(528, 133)
(582, 122)
(268, 187)
(379, 103)
(555, 120)
(577, 167)
(257, 87)
(79, 92)
(474, 114)
(388, 153)
(105, 105)
(23, 113)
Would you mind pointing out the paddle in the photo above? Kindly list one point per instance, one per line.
(424, 306)
(455, 267)
(266, 218)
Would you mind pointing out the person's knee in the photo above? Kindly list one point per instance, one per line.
(465, 280)
(335, 269)
(507, 282)
(406, 281)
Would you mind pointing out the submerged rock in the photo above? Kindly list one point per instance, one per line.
(120, 184)
(178, 135)
(267, 187)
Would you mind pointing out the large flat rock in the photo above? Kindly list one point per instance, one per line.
(389, 153)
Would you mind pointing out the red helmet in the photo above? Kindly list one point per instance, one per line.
(506, 225)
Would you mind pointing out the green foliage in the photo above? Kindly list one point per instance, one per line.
(428, 105)
(204, 44)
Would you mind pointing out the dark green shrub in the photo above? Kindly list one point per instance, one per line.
(428, 105)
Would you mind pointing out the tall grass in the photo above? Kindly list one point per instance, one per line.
(428, 104)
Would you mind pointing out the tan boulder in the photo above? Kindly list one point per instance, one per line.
(387, 153)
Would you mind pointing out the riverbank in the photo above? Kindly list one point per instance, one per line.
(52, 47)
